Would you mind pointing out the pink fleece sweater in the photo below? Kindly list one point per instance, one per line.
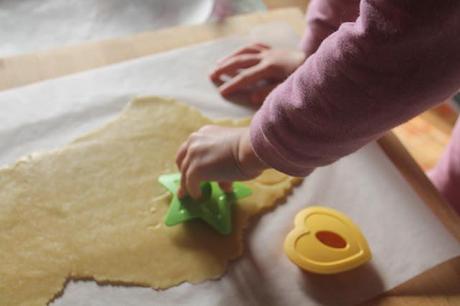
(371, 65)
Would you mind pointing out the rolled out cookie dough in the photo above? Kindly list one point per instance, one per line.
(94, 209)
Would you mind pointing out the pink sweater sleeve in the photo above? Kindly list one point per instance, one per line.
(397, 59)
(324, 17)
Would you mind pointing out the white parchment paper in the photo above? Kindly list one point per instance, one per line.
(35, 25)
(404, 236)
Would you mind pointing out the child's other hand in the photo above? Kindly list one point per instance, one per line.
(216, 153)
(253, 65)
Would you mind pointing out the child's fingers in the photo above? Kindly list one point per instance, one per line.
(183, 168)
(262, 46)
(245, 79)
(234, 64)
(252, 49)
(226, 186)
(193, 184)
(258, 96)
(182, 191)
(180, 155)
(190, 183)
(245, 50)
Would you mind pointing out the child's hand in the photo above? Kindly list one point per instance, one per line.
(250, 65)
(216, 153)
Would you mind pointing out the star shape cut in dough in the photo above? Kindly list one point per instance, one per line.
(214, 207)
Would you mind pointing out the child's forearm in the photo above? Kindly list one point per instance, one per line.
(366, 78)
(324, 18)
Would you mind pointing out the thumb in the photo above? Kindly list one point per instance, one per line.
(226, 186)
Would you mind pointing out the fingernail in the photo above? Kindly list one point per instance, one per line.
(223, 90)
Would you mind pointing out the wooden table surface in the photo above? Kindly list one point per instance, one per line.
(438, 286)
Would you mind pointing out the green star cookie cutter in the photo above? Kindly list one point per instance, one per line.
(214, 207)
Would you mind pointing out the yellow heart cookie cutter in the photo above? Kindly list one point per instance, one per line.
(325, 241)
